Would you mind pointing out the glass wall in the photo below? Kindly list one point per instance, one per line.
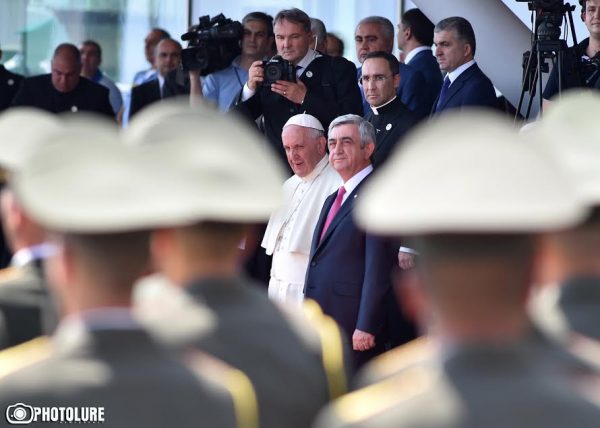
(31, 29)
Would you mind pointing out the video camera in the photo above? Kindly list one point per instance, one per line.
(276, 69)
(549, 17)
(212, 44)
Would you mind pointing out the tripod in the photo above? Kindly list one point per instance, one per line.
(546, 45)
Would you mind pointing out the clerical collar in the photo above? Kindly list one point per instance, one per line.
(316, 170)
(375, 109)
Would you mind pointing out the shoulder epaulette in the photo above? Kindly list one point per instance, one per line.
(332, 348)
(399, 358)
(370, 401)
(24, 354)
(233, 380)
(10, 273)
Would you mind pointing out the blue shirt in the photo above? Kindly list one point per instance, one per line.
(223, 86)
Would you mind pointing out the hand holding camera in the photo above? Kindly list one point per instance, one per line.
(255, 75)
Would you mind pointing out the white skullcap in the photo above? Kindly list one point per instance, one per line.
(306, 121)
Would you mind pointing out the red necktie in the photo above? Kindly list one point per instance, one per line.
(337, 204)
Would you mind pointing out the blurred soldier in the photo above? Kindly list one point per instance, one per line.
(100, 355)
(226, 182)
(335, 45)
(289, 232)
(9, 85)
(376, 33)
(349, 273)
(388, 115)
(26, 308)
(167, 59)
(91, 58)
(465, 85)
(324, 87)
(63, 90)
(570, 308)
(415, 38)
(317, 27)
(475, 230)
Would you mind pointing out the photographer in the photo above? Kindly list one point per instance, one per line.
(325, 86)
(222, 87)
(574, 70)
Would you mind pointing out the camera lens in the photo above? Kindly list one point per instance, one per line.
(19, 414)
(273, 72)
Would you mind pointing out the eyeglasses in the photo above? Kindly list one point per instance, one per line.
(378, 78)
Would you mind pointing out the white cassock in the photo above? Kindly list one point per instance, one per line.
(290, 230)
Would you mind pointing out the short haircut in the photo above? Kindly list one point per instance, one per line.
(169, 40)
(262, 17)
(387, 28)
(318, 28)
(120, 257)
(365, 129)
(462, 28)
(68, 49)
(164, 34)
(421, 27)
(392, 61)
(294, 15)
(339, 40)
(96, 46)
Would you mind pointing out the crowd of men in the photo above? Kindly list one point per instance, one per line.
(250, 254)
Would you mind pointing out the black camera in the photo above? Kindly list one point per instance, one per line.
(213, 44)
(276, 69)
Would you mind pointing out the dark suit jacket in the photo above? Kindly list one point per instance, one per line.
(144, 95)
(39, 92)
(426, 63)
(391, 123)
(331, 91)
(471, 88)
(26, 306)
(413, 91)
(137, 382)
(9, 85)
(349, 273)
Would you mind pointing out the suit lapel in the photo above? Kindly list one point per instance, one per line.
(458, 84)
(345, 209)
(321, 222)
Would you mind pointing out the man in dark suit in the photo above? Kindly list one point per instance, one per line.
(376, 33)
(9, 85)
(167, 59)
(64, 90)
(390, 117)
(349, 270)
(325, 86)
(465, 84)
(101, 357)
(415, 38)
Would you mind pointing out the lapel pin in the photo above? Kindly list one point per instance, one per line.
(388, 126)
(10, 82)
(74, 109)
(309, 74)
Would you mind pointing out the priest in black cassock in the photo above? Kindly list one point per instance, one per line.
(64, 90)
(390, 117)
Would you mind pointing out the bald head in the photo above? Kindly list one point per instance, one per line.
(304, 148)
(66, 67)
(167, 56)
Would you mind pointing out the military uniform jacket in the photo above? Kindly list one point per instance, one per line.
(474, 386)
(123, 370)
(9, 85)
(253, 335)
(27, 309)
(39, 92)
(391, 123)
(331, 91)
